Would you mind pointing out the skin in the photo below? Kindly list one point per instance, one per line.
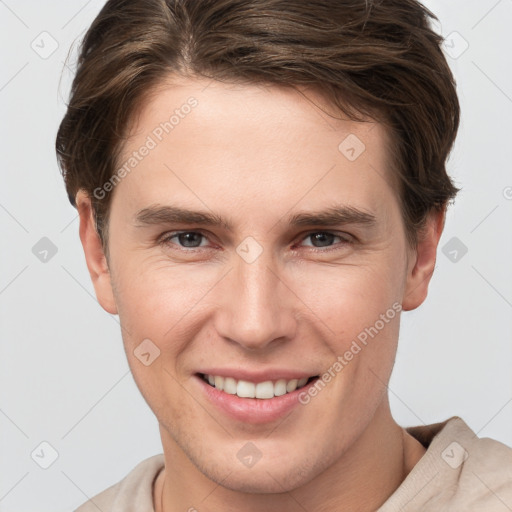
(257, 155)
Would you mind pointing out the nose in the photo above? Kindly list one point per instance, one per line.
(255, 305)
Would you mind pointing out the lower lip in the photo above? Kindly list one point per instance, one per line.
(253, 410)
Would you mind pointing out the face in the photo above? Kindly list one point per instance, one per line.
(258, 244)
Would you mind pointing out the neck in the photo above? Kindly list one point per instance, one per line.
(362, 479)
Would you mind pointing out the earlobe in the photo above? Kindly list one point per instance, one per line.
(421, 267)
(94, 254)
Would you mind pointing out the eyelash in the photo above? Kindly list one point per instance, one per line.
(345, 239)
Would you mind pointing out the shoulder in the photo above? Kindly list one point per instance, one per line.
(462, 446)
(472, 452)
(473, 473)
(459, 471)
(485, 478)
(132, 494)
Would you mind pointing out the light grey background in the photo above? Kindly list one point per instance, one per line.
(64, 378)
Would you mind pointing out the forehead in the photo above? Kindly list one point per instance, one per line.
(244, 143)
(244, 107)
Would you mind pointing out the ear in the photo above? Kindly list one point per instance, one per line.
(422, 261)
(94, 255)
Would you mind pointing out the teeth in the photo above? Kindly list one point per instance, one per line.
(245, 389)
(230, 386)
(265, 389)
(302, 382)
(219, 382)
(262, 390)
(280, 388)
(291, 385)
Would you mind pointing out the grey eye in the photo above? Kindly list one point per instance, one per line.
(322, 238)
(189, 239)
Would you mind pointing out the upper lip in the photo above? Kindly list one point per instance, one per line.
(258, 375)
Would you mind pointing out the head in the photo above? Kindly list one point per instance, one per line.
(310, 139)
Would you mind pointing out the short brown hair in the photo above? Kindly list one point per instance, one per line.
(376, 59)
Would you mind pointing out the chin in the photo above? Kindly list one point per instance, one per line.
(263, 478)
(261, 482)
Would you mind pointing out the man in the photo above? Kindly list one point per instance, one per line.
(262, 188)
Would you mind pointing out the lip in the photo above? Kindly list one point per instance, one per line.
(257, 376)
(252, 410)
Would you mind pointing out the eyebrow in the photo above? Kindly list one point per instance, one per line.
(332, 216)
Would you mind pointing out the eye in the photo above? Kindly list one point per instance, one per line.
(321, 239)
(185, 239)
(194, 239)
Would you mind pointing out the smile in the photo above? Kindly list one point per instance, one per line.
(262, 390)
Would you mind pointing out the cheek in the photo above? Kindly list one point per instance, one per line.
(155, 311)
(348, 298)
(152, 300)
(168, 306)
(156, 298)
(356, 320)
